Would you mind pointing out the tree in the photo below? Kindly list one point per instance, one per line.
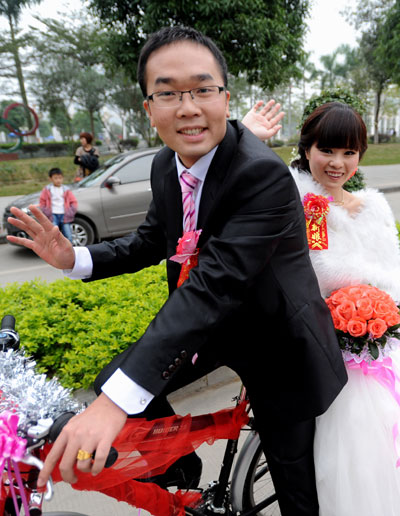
(371, 18)
(81, 122)
(127, 98)
(11, 9)
(389, 47)
(69, 57)
(263, 38)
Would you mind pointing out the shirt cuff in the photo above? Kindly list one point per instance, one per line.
(83, 267)
(127, 394)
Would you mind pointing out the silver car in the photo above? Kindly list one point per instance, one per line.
(112, 201)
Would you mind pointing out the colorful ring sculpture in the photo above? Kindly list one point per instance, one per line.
(4, 120)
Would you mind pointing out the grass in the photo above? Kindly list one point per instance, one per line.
(25, 176)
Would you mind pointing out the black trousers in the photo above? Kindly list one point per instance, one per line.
(288, 446)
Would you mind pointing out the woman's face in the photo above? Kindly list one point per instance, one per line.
(332, 167)
(83, 141)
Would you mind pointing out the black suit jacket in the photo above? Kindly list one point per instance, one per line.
(253, 299)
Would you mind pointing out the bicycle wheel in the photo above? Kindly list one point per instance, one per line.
(251, 482)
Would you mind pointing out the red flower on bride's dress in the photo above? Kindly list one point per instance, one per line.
(364, 317)
(316, 207)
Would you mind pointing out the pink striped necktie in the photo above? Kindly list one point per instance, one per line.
(188, 184)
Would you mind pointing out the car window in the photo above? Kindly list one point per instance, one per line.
(136, 170)
(98, 175)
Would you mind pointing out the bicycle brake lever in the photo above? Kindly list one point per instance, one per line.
(41, 429)
(31, 460)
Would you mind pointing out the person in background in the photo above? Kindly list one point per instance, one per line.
(58, 203)
(86, 156)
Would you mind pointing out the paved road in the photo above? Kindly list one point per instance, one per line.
(22, 265)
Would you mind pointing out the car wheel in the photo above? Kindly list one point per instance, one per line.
(82, 232)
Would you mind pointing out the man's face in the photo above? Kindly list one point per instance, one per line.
(189, 129)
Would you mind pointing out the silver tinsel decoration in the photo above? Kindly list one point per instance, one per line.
(29, 394)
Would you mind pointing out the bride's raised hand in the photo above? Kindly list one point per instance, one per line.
(47, 240)
(263, 119)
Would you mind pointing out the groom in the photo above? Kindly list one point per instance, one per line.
(252, 302)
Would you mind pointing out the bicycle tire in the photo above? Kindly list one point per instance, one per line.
(251, 480)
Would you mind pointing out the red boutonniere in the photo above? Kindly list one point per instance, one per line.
(316, 207)
(187, 253)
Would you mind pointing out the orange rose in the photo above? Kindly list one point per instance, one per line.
(364, 308)
(381, 309)
(337, 297)
(392, 319)
(339, 323)
(357, 327)
(355, 292)
(346, 309)
(376, 294)
(377, 328)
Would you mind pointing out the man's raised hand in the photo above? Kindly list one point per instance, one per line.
(47, 240)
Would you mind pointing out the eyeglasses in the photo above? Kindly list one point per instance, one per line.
(174, 98)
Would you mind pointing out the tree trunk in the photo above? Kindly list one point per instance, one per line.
(91, 116)
(378, 95)
(18, 69)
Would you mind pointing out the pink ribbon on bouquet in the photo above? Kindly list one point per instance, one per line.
(382, 371)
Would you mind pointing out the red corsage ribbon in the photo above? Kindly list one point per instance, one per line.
(316, 207)
(187, 254)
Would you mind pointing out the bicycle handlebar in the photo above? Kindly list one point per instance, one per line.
(9, 338)
(8, 323)
(59, 424)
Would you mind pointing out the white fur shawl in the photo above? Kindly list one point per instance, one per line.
(362, 248)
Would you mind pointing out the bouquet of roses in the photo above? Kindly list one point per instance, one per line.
(365, 318)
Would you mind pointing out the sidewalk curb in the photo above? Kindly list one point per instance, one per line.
(389, 189)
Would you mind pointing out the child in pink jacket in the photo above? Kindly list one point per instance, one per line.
(58, 203)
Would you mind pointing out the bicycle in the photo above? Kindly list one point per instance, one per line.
(243, 489)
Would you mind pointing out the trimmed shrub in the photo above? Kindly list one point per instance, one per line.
(73, 329)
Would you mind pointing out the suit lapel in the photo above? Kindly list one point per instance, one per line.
(173, 203)
(216, 175)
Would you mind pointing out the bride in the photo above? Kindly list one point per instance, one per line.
(355, 448)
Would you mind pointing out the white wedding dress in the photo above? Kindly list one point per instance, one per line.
(355, 452)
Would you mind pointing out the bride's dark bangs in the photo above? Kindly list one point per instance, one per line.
(341, 129)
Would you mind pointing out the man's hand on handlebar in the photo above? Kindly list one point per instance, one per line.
(94, 430)
(47, 240)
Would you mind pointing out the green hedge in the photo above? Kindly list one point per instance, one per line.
(73, 329)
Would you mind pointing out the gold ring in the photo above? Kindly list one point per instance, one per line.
(83, 455)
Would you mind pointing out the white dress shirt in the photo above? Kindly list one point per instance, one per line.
(121, 389)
